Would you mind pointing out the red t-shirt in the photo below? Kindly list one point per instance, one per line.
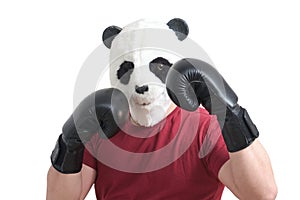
(178, 158)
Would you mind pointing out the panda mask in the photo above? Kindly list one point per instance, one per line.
(139, 70)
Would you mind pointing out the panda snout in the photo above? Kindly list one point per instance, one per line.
(141, 89)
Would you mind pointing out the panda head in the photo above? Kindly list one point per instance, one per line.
(139, 70)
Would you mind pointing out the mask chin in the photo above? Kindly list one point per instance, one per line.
(151, 114)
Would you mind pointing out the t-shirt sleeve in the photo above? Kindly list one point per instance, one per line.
(213, 150)
(88, 158)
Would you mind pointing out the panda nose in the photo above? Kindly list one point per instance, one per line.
(141, 89)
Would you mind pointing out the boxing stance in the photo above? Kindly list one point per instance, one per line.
(190, 82)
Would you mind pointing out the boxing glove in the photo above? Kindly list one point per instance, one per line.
(102, 112)
(191, 82)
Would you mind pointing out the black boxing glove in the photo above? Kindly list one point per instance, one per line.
(102, 112)
(191, 82)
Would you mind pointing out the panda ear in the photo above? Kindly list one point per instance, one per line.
(180, 27)
(109, 34)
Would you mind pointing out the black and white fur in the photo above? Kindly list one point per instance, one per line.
(139, 71)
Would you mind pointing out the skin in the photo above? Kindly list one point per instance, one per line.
(69, 186)
(248, 174)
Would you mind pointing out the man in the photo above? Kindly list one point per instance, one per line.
(207, 149)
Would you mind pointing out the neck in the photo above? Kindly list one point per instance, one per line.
(171, 108)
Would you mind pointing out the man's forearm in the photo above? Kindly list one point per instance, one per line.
(252, 173)
(63, 186)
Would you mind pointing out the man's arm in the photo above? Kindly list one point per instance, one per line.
(101, 112)
(69, 186)
(248, 173)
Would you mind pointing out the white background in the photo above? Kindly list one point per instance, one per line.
(43, 44)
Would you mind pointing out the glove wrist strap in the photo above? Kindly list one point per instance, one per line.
(65, 160)
(238, 131)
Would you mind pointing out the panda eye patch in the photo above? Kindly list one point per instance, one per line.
(160, 67)
(124, 72)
